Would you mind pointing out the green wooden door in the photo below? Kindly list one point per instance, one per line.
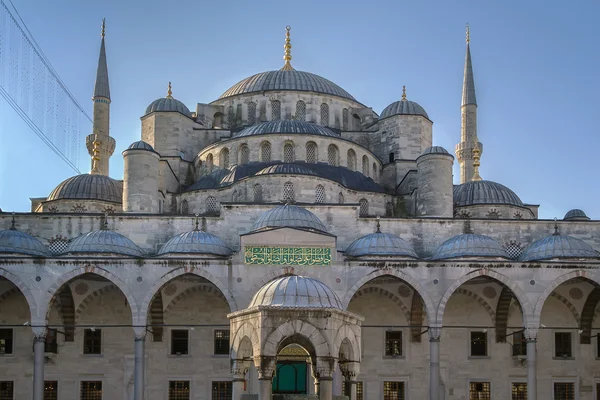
(290, 378)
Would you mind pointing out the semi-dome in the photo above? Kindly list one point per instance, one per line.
(196, 242)
(286, 168)
(286, 126)
(296, 292)
(104, 241)
(403, 107)
(558, 246)
(576, 215)
(381, 245)
(14, 241)
(141, 145)
(469, 245)
(291, 80)
(168, 104)
(89, 187)
(290, 216)
(484, 192)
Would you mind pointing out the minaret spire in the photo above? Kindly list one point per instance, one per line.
(287, 55)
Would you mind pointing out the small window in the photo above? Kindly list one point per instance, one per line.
(478, 344)
(275, 110)
(58, 245)
(365, 166)
(375, 172)
(351, 159)
(320, 194)
(363, 210)
(244, 154)
(179, 390)
(564, 391)
(6, 341)
(50, 390)
(222, 341)
(480, 391)
(333, 156)
(359, 390)
(519, 391)
(391, 157)
(224, 158)
(562, 345)
(301, 110)
(221, 390)
(6, 390)
(185, 208)
(209, 162)
(251, 113)
(324, 114)
(311, 153)
(345, 119)
(230, 116)
(51, 345)
(92, 341)
(393, 391)
(179, 342)
(389, 209)
(288, 192)
(519, 347)
(288, 153)
(211, 205)
(393, 343)
(258, 193)
(341, 198)
(265, 152)
(91, 390)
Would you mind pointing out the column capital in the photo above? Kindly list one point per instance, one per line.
(265, 365)
(434, 333)
(139, 332)
(531, 333)
(39, 333)
(239, 369)
(323, 370)
(350, 369)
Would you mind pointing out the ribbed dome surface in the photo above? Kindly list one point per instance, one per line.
(576, 214)
(435, 150)
(168, 104)
(291, 216)
(286, 126)
(14, 241)
(287, 168)
(469, 245)
(296, 292)
(403, 107)
(558, 246)
(104, 241)
(380, 244)
(89, 187)
(196, 242)
(484, 192)
(140, 145)
(286, 80)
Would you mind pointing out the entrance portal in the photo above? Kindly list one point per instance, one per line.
(291, 375)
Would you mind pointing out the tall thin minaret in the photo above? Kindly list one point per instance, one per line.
(469, 150)
(100, 144)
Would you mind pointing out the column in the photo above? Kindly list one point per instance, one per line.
(39, 344)
(337, 382)
(531, 338)
(324, 377)
(434, 363)
(239, 368)
(326, 388)
(140, 355)
(350, 371)
(265, 366)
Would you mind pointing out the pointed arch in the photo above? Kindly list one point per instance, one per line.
(502, 311)
(190, 291)
(88, 299)
(296, 328)
(567, 304)
(346, 332)
(479, 300)
(380, 291)
(587, 315)
(23, 288)
(246, 331)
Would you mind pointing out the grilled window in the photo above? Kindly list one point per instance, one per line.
(50, 390)
(224, 158)
(179, 390)
(209, 162)
(359, 389)
(389, 209)
(179, 342)
(393, 391)
(519, 347)
(230, 116)
(58, 245)
(375, 172)
(519, 391)
(564, 391)
(275, 110)
(288, 153)
(222, 341)
(185, 208)
(258, 193)
(301, 110)
(288, 191)
(251, 113)
(244, 155)
(92, 341)
(6, 390)
(562, 344)
(365, 166)
(51, 345)
(320, 194)
(351, 160)
(345, 118)
(480, 391)
(221, 390)
(598, 353)
(324, 114)
(311, 153)
(341, 198)
(364, 208)
(6, 341)
(479, 343)
(265, 152)
(91, 390)
(333, 156)
(211, 205)
(393, 343)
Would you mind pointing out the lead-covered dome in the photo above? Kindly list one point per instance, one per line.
(104, 241)
(558, 246)
(289, 216)
(576, 215)
(286, 168)
(469, 245)
(381, 245)
(196, 242)
(403, 107)
(286, 126)
(89, 187)
(296, 292)
(141, 145)
(484, 192)
(14, 241)
(168, 104)
(435, 150)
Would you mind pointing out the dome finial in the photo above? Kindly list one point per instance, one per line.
(103, 26)
(196, 222)
(287, 56)
(403, 92)
(12, 223)
(169, 92)
(96, 157)
(476, 164)
(556, 233)
(104, 222)
(468, 33)
(378, 224)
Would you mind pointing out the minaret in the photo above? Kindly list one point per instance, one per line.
(469, 150)
(99, 144)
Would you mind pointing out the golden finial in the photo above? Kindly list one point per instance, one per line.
(468, 34)
(169, 92)
(378, 225)
(96, 158)
(403, 93)
(476, 164)
(103, 26)
(287, 56)
(196, 222)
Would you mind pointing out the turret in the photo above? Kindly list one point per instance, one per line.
(434, 183)
(140, 180)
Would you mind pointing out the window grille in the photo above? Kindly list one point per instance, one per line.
(564, 391)
(209, 162)
(359, 390)
(265, 152)
(514, 250)
(244, 155)
(519, 391)
(519, 347)
(351, 160)
(375, 171)
(365, 166)
(300, 110)
(251, 113)
(222, 341)
(389, 209)
(91, 390)
(391, 157)
(275, 110)
(258, 193)
(221, 390)
(230, 116)
(211, 205)
(288, 153)
(179, 390)
(78, 208)
(311, 153)
(185, 208)
(393, 391)
(51, 344)
(493, 214)
(480, 391)
(562, 344)
(6, 341)
(518, 215)
(179, 342)
(108, 210)
(92, 341)
(341, 198)
(324, 114)
(364, 208)
(50, 390)
(320, 194)
(6, 390)
(224, 158)
(393, 343)
(332, 155)
(345, 117)
(478, 343)
(288, 191)
(58, 245)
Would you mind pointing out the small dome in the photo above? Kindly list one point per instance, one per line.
(291, 216)
(380, 244)
(296, 292)
(469, 245)
(141, 145)
(89, 187)
(196, 242)
(286, 126)
(484, 192)
(168, 104)
(558, 246)
(286, 169)
(576, 215)
(14, 241)
(104, 241)
(403, 107)
(435, 150)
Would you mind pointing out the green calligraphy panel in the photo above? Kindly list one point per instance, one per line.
(266, 255)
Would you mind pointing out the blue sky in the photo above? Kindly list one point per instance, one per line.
(536, 69)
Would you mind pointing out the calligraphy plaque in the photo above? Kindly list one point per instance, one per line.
(267, 255)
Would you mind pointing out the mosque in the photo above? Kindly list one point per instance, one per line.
(286, 241)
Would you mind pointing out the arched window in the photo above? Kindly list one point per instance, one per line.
(364, 208)
(288, 192)
(365, 167)
(288, 153)
(341, 198)
(324, 114)
(375, 172)
(300, 110)
(275, 110)
(185, 208)
(251, 113)
(389, 209)
(265, 152)
(209, 162)
(224, 158)
(320, 194)
(311, 153)
(258, 194)
(211, 205)
(234, 196)
(391, 157)
(333, 155)
(351, 160)
(345, 118)
(217, 120)
(230, 116)
(244, 154)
